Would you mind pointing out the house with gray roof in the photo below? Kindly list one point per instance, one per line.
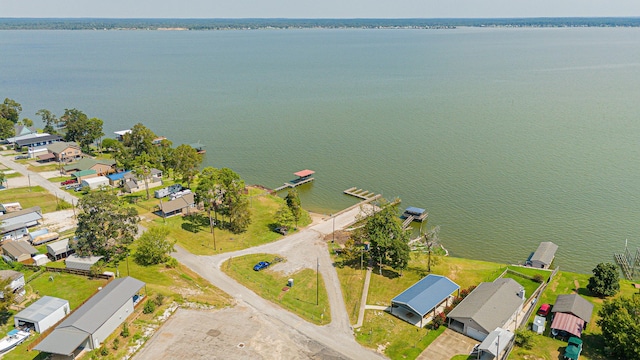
(181, 205)
(20, 251)
(489, 306)
(63, 151)
(90, 324)
(573, 304)
(23, 218)
(42, 314)
(544, 255)
(419, 303)
(101, 166)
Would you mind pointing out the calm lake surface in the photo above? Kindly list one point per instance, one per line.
(508, 137)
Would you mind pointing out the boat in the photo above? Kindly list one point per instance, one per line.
(199, 148)
(13, 338)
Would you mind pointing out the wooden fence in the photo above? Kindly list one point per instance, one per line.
(38, 268)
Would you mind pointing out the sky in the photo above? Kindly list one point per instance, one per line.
(317, 8)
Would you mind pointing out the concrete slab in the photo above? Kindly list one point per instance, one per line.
(447, 345)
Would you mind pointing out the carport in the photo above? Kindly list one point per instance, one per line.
(420, 302)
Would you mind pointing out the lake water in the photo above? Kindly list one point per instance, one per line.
(508, 137)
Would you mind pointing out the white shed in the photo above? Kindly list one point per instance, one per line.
(95, 182)
(43, 314)
(81, 263)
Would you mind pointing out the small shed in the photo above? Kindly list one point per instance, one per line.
(544, 255)
(40, 259)
(423, 298)
(43, 314)
(18, 250)
(96, 182)
(81, 263)
(60, 249)
(539, 324)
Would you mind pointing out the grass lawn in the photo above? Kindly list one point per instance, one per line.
(547, 348)
(33, 196)
(43, 168)
(299, 299)
(58, 179)
(352, 283)
(13, 175)
(400, 339)
(193, 232)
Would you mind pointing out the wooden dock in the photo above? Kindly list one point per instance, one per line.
(362, 194)
(407, 222)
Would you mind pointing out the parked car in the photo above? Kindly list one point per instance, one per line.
(544, 310)
(261, 265)
(68, 181)
(22, 157)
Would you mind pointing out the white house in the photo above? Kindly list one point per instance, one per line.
(43, 314)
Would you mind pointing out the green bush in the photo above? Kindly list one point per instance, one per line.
(159, 299)
(524, 339)
(538, 278)
(125, 330)
(104, 351)
(116, 344)
(149, 307)
(171, 263)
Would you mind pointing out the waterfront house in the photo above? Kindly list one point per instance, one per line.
(489, 306)
(421, 302)
(33, 142)
(134, 183)
(89, 325)
(65, 151)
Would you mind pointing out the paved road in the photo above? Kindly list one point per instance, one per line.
(36, 179)
(304, 249)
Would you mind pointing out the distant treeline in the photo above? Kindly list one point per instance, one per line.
(231, 24)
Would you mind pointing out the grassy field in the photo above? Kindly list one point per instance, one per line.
(352, 283)
(43, 168)
(299, 299)
(193, 232)
(33, 196)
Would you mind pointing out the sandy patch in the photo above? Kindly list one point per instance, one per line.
(59, 221)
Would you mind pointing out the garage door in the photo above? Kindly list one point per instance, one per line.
(478, 335)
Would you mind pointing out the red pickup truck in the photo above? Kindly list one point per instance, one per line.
(68, 182)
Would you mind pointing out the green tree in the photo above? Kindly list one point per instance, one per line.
(605, 280)
(142, 169)
(388, 240)
(284, 218)
(185, 161)
(7, 128)
(209, 194)
(81, 129)
(620, 324)
(140, 140)
(293, 202)
(10, 110)
(26, 122)
(105, 226)
(113, 145)
(154, 247)
(234, 203)
(7, 299)
(49, 119)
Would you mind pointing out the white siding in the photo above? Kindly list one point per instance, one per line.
(112, 323)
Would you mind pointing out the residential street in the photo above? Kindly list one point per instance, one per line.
(302, 249)
(38, 180)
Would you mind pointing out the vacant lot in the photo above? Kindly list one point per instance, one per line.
(231, 333)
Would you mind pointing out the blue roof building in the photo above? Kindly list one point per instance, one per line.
(422, 300)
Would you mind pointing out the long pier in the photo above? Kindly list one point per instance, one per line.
(407, 222)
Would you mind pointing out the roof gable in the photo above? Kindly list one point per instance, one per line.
(426, 294)
(61, 146)
(88, 163)
(42, 308)
(19, 248)
(573, 304)
(177, 204)
(490, 304)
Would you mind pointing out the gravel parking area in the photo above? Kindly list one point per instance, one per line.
(231, 333)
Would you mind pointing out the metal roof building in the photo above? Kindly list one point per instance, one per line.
(89, 325)
(81, 262)
(423, 298)
(43, 314)
(544, 255)
(489, 306)
(29, 217)
(60, 249)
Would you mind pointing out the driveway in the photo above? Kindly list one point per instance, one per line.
(301, 250)
(447, 345)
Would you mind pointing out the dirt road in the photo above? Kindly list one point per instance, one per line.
(302, 249)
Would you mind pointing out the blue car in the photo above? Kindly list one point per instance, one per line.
(261, 265)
